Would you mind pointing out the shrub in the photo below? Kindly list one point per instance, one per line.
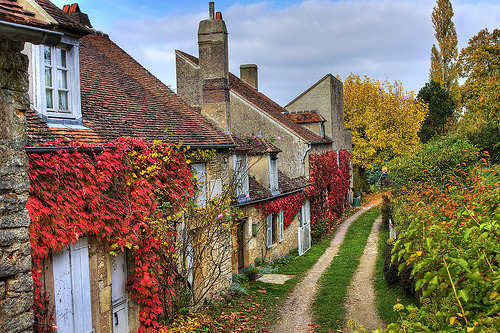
(251, 273)
(318, 230)
(435, 163)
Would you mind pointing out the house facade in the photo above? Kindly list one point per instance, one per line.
(235, 105)
(84, 88)
(18, 26)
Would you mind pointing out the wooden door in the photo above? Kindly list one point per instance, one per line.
(119, 296)
(241, 245)
(72, 288)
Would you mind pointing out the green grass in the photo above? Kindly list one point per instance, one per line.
(260, 308)
(328, 306)
(387, 296)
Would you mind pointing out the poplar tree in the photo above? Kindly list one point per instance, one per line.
(444, 55)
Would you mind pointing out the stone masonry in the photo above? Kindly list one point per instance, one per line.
(16, 284)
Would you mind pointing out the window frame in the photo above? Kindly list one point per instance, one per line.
(274, 229)
(200, 171)
(241, 182)
(273, 174)
(74, 112)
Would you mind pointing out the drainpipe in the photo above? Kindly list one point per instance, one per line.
(304, 158)
(23, 33)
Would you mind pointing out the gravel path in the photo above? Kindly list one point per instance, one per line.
(296, 313)
(360, 303)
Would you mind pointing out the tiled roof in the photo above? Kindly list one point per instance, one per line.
(65, 21)
(38, 132)
(305, 117)
(286, 186)
(11, 11)
(265, 104)
(121, 98)
(259, 145)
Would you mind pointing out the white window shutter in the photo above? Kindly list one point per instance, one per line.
(72, 288)
(280, 222)
(215, 188)
(269, 231)
(307, 209)
(200, 172)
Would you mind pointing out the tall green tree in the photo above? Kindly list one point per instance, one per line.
(479, 64)
(441, 111)
(444, 55)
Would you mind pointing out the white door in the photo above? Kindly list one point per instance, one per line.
(304, 233)
(119, 298)
(72, 288)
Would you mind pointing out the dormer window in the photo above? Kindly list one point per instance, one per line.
(57, 82)
(273, 175)
(241, 184)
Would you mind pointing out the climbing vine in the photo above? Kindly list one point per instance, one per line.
(290, 205)
(124, 195)
(329, 174)
(330, 183)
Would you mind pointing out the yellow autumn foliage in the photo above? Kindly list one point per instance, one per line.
(383, 117)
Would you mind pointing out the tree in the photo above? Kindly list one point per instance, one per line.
(383, 117)
(479, 64)
(441, 110)
(444, 55)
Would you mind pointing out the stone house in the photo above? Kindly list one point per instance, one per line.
(17, 27)
(235, 105)
(85, 88)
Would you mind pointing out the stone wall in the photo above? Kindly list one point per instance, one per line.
(16, 284)
(255, 244)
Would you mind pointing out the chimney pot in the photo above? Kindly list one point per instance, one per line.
(218, 16)
(211, 10)
(248, 74)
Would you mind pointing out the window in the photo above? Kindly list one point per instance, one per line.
(57, 82)
(241, 177)
(274, 230)
(305, 214)
(273, 175)
(199, 170)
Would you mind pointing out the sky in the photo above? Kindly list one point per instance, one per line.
(294, 43)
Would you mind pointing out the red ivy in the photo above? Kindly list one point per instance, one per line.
(115, 195)
(290, 205)
(330, 183)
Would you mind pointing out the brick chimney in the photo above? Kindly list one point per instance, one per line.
(75, 12)
(248, 74)
(214, 68)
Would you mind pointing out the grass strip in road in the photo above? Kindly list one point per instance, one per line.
(259, 309)
(328, 306)
(386, 295)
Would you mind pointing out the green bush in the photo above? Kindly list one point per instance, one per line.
(251, 273)
(318, 230)
(436, 162)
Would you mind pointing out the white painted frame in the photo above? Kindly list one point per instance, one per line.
(73, 64)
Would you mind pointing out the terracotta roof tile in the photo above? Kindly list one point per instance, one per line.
(121, 98)
(305, 117)
(265, 104)
(286, 185)
(38, 132)
(11, 11)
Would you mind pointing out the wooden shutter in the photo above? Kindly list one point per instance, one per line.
(307, 212)
(72, 288)
(269, 231)
(215, 188)
(119, 296)
(280, 223)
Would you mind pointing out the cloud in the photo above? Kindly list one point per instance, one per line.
(295, 46)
